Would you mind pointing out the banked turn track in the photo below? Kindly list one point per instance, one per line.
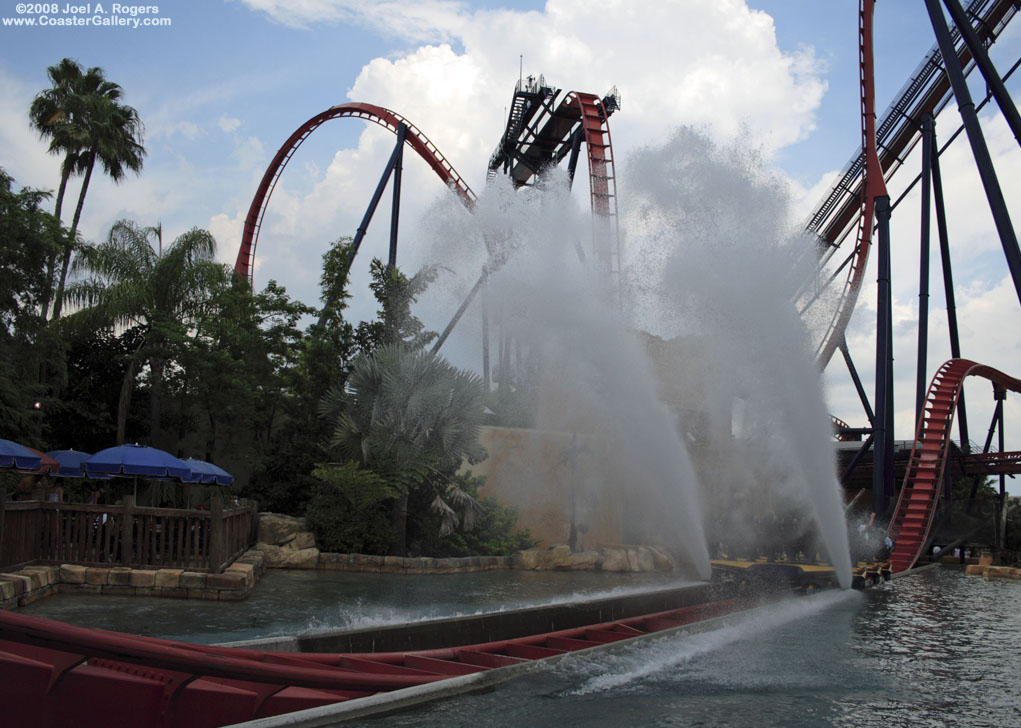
(923, 481)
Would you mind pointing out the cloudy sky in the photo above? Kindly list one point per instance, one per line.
(224, 82)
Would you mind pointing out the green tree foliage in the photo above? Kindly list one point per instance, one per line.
(308, 365)
(394, 322)
(349, 509)
(492, 533)
(83, 118)
(28, 238)
(162, 291)
(84, 416)
(413, 418)
(330, 341)
(284, 451)
(247, 350)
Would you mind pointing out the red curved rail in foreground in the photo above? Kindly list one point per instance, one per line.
(916, 505)
(57, 674)
(377, 114)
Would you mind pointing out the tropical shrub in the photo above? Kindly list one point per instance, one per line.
(491, 534)
(349, 511)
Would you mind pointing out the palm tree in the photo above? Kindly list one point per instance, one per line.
(163, 291)
(81, 115)
(411, 416)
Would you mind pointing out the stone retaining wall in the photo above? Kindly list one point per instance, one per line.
(1003, 572)
(608, 557)
(401, 565)
(32, 583)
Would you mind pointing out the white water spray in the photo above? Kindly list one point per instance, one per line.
(662, 656)
(726, 267)
(709, 271)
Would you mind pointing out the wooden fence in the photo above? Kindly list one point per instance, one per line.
(141, 538)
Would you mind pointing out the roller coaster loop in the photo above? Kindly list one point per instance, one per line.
(916, 506)
(377, 114)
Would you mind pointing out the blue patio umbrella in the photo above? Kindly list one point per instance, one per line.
(137, 460)
(19, 457)
(71, 464)
(147, 462)
(208, 473)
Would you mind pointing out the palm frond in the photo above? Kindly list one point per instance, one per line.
(448, 516)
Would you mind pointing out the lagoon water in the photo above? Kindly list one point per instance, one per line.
(935, 649)
(286, 602)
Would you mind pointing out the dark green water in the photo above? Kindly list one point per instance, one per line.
(936, 649)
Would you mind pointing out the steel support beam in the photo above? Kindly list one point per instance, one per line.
(395, 160)
(363, 227)
(983, 160)
(857, 382)
(882, 458)
(992, 427)
(922, 368)
(461, 309)
(948, 285)
(1000, 394)
(985, 66)
(485, 341)
(856, 459)
(395, 210)
(572, 162)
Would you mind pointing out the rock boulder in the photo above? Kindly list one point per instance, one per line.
(302, 540)
(277, 529)
(281, 557)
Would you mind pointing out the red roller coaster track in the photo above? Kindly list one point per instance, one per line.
(928, 90)
(56, 674)
(377, 114)
(916, 506)
(594, 123)
(602, 177)
(873, 186)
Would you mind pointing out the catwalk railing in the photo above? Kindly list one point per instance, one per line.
(124, 535)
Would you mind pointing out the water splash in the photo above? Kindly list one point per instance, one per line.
(595, 376)
(715, 261)
(711, 269)
(629, 669)
(358, 614)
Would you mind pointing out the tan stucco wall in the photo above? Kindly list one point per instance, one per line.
(531, 470)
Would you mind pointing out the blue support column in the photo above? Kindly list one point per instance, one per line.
(572, 162)
(882, 457)
(363, 228)
(394, 162)
(983, 160)
(395, 210)
(857, 382)
(928, 129)
(986, 68)
(948, 283)
(1001, 394)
